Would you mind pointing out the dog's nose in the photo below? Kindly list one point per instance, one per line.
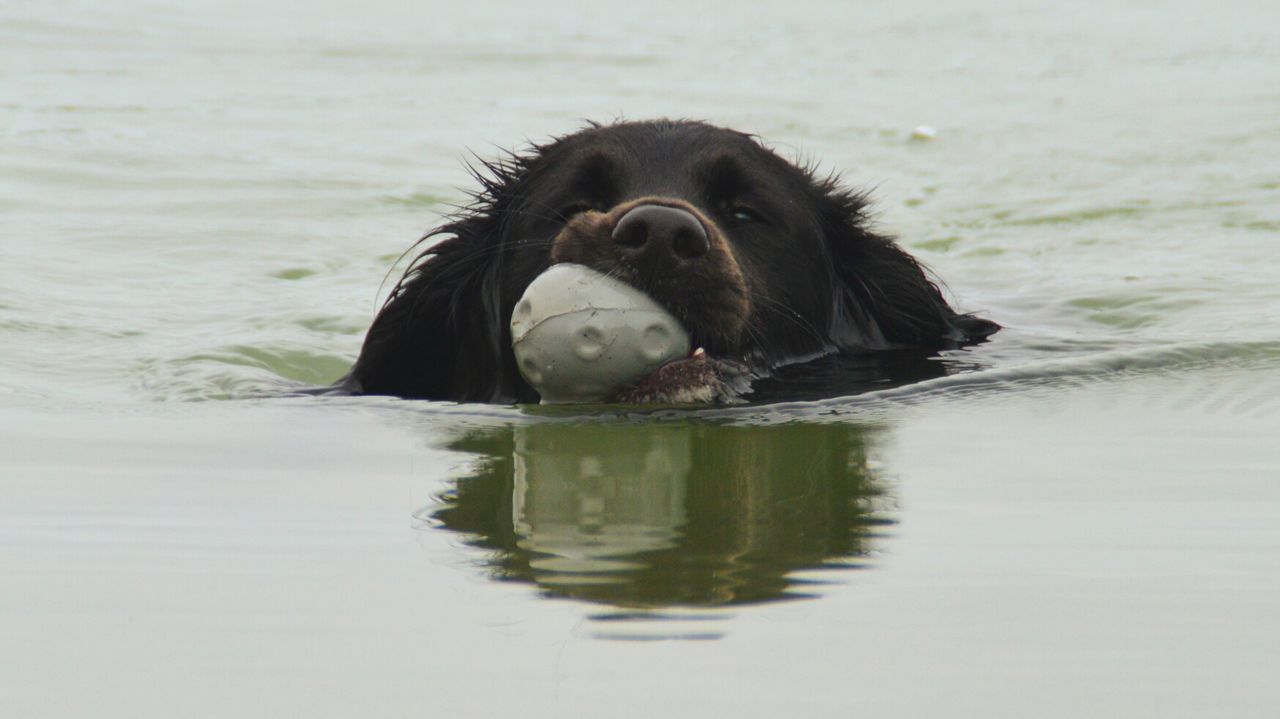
(660, 237)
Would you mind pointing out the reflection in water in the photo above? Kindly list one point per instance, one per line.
(665, 514)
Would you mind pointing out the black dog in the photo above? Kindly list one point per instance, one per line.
(764, 263)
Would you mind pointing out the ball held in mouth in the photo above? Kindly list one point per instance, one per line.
(580, 336)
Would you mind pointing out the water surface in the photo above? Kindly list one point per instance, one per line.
(203, 204)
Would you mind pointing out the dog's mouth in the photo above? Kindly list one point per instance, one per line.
(678, 256)
(579, 335)
(696, 379)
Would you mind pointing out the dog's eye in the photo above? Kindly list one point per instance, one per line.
(743, 214)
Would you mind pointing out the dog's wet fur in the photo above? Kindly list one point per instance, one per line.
(765, 263)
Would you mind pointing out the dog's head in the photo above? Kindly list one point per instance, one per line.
(763, 262)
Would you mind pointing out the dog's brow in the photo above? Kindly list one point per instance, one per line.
(725, 176)
(595, 175)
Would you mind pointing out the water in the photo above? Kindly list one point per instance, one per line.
(200, 204)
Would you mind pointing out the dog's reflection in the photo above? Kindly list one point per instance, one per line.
(654, 514)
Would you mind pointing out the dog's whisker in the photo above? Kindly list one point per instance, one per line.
(791, 315)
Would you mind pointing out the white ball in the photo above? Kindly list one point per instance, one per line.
(579, 336)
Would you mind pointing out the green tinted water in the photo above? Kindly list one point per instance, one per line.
(202, 204)
(663, 514)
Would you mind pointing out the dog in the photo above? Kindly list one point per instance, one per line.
(764, 262)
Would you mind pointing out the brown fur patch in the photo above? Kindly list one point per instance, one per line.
(709, 294)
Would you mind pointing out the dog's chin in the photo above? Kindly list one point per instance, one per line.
(696, 379)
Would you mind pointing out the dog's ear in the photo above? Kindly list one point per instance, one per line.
(443, 333)
(440, 334)
(883, 297)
